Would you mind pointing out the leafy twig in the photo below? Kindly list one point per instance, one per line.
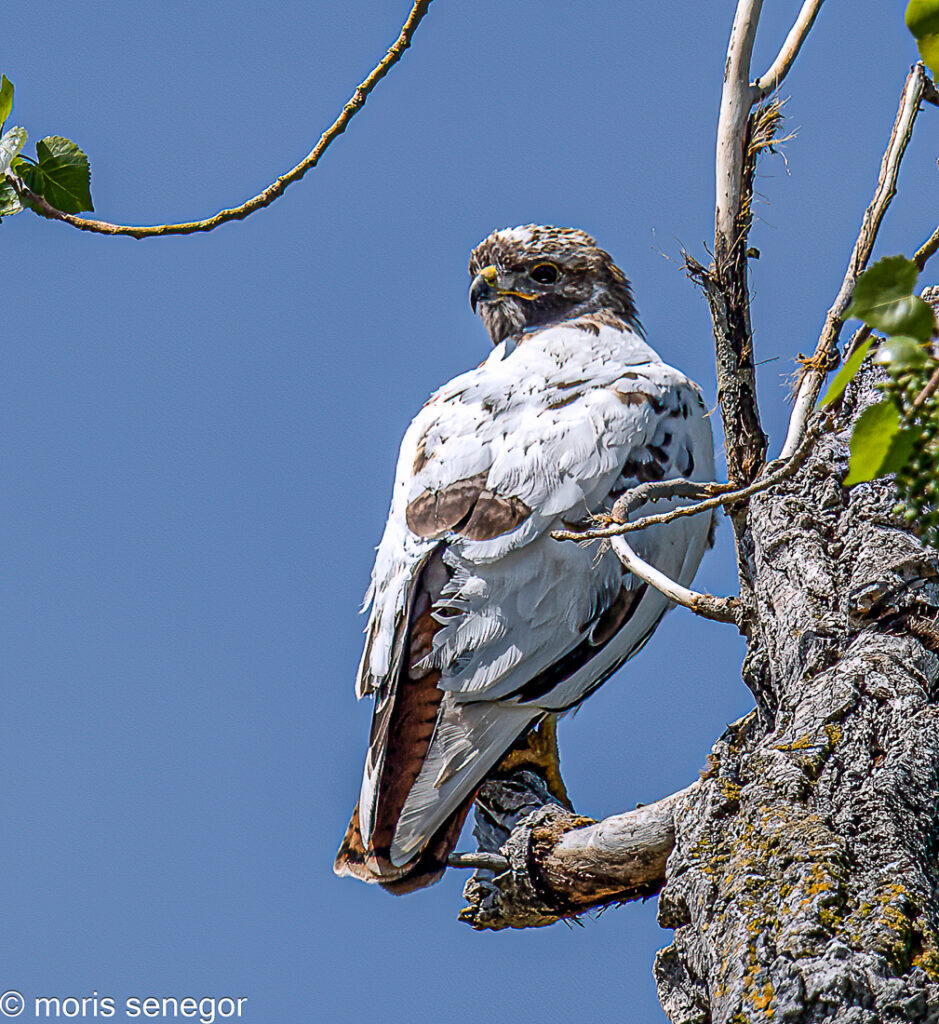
(273, 191)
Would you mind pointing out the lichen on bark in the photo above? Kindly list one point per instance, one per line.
(802, 882)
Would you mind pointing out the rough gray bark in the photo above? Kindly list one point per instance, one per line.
(801, 884)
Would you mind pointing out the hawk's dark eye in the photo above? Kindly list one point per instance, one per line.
(544, 273)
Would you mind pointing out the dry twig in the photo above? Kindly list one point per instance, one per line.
(766, 83)
(928, 249)
(817, 367)
(719, 609)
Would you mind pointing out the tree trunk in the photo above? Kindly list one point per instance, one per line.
(801, 885)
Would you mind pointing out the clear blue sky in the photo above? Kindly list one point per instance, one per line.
(198, 436)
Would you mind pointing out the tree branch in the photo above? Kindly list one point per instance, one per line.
(766, 83)
(659, 490)
(558, 864)
(816, 368)
(273, 191)
(639, 495)
(720, 609)
(481, 860)
(736, 103)
(926, 251)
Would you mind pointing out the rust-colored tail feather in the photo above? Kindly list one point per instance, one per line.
(428, 867)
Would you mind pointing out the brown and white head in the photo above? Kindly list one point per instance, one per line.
(534, 275)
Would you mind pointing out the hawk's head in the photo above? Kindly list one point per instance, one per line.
(534, 275)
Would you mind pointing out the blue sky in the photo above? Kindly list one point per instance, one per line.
(198, 437)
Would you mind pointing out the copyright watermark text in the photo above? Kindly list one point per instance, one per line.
(204, 1009)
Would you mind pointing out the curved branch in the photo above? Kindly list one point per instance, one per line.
(273, 191)
(816, 368)
(926, 251)
(720, 609)
(766, 83)
(617, 529)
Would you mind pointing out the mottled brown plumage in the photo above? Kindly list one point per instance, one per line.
(587, 281)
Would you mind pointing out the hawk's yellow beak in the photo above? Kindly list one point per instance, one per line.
(485, 288)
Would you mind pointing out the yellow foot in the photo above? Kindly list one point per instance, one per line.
(539, 749)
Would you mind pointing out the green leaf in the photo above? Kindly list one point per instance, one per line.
(62, 175)
(878, 445)
(901, 352)
(11, 143)
(846, 374)
(6, 98)
(9, 200)
(922, 19)
(884, 300)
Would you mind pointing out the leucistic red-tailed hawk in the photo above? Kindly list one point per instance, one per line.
(481, 624)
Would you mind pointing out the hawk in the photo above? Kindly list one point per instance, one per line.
(481, 624)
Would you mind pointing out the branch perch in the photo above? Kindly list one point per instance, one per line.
(273, 191)
(816, 368)
(558, 864)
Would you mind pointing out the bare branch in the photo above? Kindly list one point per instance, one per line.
(926, 250)
(621, 852)
(720, 609)
(736, 103)
(740, 138)
(771, 476)
(479, 860)
(766, 83)
(817, 367)
(726, 288)
(658, 490)
(273, 191)
(559, 865)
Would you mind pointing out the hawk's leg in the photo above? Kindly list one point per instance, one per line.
(527, 779)
(538, 751)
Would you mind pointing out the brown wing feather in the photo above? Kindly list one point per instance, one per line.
(402, 727)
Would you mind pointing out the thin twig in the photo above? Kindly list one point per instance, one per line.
(926, 250)
(273, 191)
(764, 483)
(765, 84)
(480, 859)
(720, 609)
(927, 391)
(660, 490)
(858, 338)
(816, 368)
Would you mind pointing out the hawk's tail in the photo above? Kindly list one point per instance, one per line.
(428, 867)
